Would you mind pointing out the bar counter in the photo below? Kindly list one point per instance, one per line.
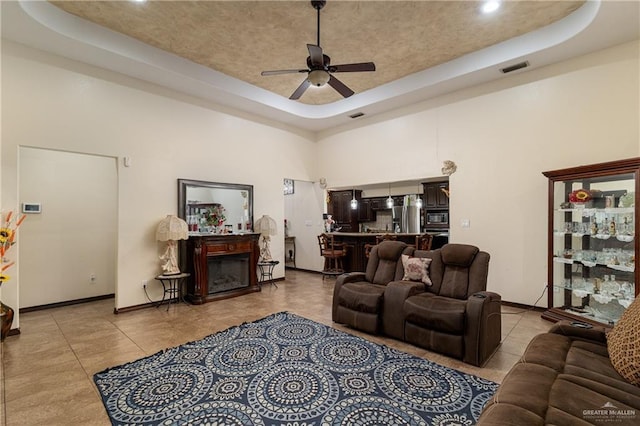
(355, 242)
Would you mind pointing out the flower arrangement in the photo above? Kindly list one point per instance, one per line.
(215, 216)
(7, 239)
(580, 196)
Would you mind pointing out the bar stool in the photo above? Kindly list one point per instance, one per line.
(333, 254)
(424, 241)
(385, 237)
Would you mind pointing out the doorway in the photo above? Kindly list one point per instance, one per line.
(68, 250)
(303, 209)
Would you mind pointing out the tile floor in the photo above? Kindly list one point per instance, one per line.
(48, 368)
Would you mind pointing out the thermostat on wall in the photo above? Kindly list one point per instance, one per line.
(31, 208)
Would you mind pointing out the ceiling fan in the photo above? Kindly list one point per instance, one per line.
(320, 71)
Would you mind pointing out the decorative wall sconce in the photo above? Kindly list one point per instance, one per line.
(448, 167)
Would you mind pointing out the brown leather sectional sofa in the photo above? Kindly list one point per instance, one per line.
(565, 377)
(454, 315)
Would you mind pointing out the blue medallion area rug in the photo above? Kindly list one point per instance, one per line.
(289, 370)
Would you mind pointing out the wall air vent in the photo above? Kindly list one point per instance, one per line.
(357, 115)
(514, 67)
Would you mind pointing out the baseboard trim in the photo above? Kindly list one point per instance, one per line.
(66, 303)
(523, 306)
(302, 270)
(13, 332)
(134, 308)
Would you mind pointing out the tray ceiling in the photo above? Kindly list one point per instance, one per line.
(215, 50)
(243, 38)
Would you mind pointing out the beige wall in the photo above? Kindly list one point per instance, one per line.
(50, 102)
(75, 235)
(503, 136)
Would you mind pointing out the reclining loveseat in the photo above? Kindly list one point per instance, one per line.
(434, 299)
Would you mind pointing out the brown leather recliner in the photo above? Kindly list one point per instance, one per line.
(358, 296)
(455, 316)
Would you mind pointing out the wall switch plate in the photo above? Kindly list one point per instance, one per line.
(465, 223)
(308, 223)
(92, 278)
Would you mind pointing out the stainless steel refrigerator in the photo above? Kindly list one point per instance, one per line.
(406, 218)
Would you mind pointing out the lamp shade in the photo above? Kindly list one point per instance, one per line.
(266, 226)
(172, 228)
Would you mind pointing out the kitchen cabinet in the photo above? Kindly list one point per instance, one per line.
(592, 241)
(378, 203)
(365, 211)
(339, 207)
(435, 196)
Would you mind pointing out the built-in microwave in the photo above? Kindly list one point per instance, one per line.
(438, 219)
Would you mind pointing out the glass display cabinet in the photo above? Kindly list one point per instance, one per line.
(593, 242)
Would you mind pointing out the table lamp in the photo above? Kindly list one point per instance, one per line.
(170, 229)
(266, 226)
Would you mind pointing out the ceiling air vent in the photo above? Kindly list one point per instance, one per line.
(515, 67)
(357, 114)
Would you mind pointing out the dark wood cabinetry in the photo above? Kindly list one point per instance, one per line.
(365, 211)
(435, 195)
(221, 266)
(377, 203)
(339, 207)
(436, 204)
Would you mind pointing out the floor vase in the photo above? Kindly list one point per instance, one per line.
(6, 317)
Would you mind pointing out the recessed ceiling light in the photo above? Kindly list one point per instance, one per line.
(490, 6)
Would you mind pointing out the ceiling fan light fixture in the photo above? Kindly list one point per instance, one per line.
(318, 77)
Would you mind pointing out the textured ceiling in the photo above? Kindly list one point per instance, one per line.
(243, 38)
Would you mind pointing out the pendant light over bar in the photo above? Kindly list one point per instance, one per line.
(389, 200)
(354, 202)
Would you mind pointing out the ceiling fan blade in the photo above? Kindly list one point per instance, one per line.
(340, 87)
(315, 53)
(363, 66)
(278, 72)
(300, 90)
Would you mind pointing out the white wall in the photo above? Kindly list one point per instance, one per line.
(502, 136)
(50, 102)
(303, 211)
(75, 235)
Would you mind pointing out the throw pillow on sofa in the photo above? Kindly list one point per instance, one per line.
(416, 269)
(623, 344)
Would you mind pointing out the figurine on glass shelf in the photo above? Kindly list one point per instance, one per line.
(579, 197)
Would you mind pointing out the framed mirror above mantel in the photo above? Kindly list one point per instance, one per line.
(221, 253)
(233, 204)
